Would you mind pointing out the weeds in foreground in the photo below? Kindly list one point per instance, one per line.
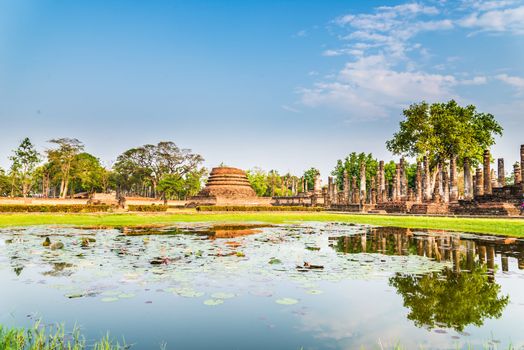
(52, 338)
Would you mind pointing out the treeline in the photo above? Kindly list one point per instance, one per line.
(65, 169)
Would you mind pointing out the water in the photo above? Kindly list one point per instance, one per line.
(311, 286)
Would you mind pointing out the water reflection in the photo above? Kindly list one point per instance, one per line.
(465, 294)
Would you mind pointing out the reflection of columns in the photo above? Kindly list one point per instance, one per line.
(470, 257)
(456, 253)
(482, 254)
(418, 193)
(468, 190)
(491, 263)
(501, 173)
(363, 242)
(487, 172)
(504, 262)
(453, 181)
(427, 180)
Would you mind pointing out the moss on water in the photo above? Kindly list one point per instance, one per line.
(495, 226)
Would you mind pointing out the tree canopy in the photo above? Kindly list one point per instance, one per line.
(443, 130)
(449, 298)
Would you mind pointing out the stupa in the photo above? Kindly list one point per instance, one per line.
(227, 186)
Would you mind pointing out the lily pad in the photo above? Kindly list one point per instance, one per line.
(287, 301)
(109, 299)
(213, 302)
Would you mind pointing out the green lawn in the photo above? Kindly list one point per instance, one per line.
(513, 227)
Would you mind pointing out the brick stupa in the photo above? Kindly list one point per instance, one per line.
(227, 186)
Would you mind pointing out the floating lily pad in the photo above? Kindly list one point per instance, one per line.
(286, 301)
(109, 299)
(221, 295)
(213, 302)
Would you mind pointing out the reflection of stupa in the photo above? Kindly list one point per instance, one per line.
(228, 186)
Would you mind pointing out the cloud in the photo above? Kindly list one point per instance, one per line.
(516, 82)
(369, 87)
(499, 20)
(290, 109)
(388, 68)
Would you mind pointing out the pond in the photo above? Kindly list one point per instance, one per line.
(310, 286)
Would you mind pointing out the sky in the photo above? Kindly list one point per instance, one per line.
(284, 85)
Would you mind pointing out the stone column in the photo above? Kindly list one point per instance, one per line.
(386, 197)
(373, 199)
(427, 180)
(317, 185)
(487, 172)
(445, 184)
(468, 181)
(329, 197)
(516, 174)
(437, 191)
(403, 180)
(453, 180)
(354, 190)
(382, 194)
(396, 189)
(522, 167)
(363, 194)
(501, 172)
(479, 188)
(418, 194)
(346, 188)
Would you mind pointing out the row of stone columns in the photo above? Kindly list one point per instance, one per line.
(445, 188)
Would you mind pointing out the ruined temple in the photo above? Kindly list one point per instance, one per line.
(227, 186)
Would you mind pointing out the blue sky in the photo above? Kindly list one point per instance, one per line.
(282, 85)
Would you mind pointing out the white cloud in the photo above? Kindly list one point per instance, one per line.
(516, 82)
(478, 80)
(500, 20)
(386, 66)
(290, 109)
(369, 87)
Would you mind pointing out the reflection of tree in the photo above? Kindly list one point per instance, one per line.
(449, 298)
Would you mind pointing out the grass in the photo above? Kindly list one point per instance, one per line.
(495, 226)
(51, 338)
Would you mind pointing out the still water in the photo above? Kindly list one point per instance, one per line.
(310, 286)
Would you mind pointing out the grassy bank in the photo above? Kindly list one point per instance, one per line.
(513, 227)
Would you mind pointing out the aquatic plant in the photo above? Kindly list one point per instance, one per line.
(40, 337)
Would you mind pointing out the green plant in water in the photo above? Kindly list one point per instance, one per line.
(51, 338)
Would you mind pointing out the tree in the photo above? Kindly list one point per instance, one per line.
(258, 180)
(174, 186)
(450, 298)
(444, 130)
(309, 177)
(87, 173)
(63, 157)
(25, 158)
(148, 164)
(351, 165)
(4, 183)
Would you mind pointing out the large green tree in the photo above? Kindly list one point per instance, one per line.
(444, 130)
(63, 157)
(145, 166)
(25, 159)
